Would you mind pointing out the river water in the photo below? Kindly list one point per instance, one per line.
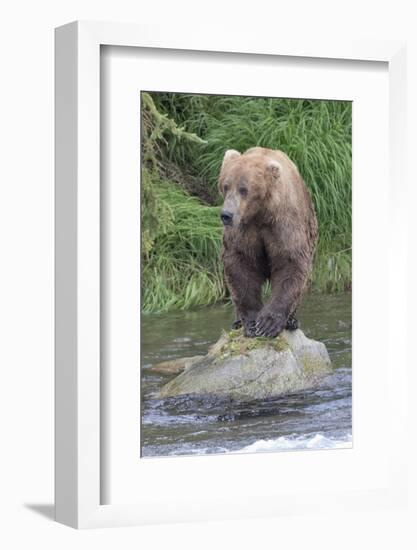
(315, 419)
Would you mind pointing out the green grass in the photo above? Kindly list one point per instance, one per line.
(181, 268)
(181, 234)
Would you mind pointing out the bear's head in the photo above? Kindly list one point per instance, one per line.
(248, 184)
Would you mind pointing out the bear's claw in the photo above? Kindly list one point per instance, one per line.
(292, 323)
(269, 325)
(250, 329)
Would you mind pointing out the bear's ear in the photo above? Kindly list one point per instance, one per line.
(274, 168)
(229, 155)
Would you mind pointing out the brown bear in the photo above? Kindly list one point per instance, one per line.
(270, 233)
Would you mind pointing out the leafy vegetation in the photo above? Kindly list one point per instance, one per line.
(184, 138)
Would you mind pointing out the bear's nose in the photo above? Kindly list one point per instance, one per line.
(226, 217)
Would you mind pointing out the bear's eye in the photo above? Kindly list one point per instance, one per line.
(225, 189)
(243, 191)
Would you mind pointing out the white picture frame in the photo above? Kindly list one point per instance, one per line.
(78, 292)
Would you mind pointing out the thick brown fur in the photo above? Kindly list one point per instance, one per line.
(270, 234)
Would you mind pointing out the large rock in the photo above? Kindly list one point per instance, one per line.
(254, 368)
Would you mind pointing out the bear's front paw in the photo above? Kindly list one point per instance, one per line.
(269, 324)
(237, 324)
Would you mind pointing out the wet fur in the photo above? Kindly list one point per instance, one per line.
(274, 237)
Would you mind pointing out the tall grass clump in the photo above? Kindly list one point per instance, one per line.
(182, 267)
(315, 134)
(180, 236)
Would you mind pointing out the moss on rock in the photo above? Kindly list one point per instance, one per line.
(235, 343)
(311, 365)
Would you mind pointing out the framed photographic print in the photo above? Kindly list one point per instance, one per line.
(222, 206)
(251, 388)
